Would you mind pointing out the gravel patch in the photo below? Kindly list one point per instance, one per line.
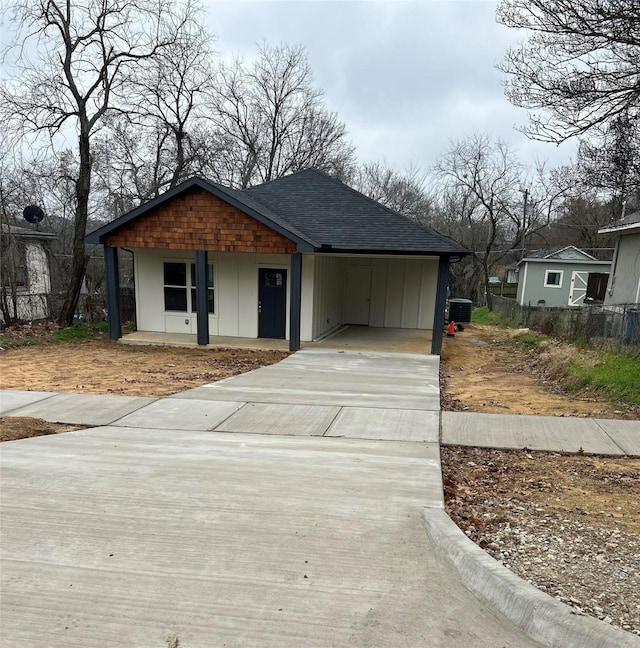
(567, 524)
(596, 571)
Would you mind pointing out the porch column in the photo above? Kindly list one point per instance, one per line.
(441, 302)
(295, 302)
(202, 290)
(114, 325)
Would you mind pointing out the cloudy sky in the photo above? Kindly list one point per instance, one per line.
(406, 76)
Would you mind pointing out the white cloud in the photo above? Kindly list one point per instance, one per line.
(406, 77)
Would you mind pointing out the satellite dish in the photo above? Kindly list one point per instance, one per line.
(33, 214)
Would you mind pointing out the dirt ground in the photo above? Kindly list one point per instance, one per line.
(569, 524)
(483, 370)
(20, 427)
(101, 366)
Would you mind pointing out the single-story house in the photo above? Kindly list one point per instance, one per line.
(561, 278)
(294, 258)
(25, 273)
(624, 280)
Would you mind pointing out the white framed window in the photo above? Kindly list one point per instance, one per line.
(180, 287)
(553, 278)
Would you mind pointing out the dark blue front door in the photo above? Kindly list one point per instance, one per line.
(272, 303)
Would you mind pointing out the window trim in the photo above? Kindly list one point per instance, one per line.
(189, 288)
(553, 285)
(184, 288)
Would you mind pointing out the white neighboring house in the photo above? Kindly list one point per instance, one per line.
(624, 280)
(25, 281)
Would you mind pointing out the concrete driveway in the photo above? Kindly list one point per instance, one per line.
(134, 534)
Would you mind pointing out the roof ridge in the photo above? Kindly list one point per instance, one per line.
(345, 186)
(242, 196)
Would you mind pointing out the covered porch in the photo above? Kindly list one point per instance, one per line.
(360, 338)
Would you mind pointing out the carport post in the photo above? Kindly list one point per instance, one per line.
(202, 291)
(295, 302)
(114, 325)
(441, 302)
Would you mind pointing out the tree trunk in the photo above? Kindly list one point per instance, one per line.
(487, 287)
(79, 259)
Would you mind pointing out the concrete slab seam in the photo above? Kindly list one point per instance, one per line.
(540, 616)
(333, 420)
(610, 437)
(215, 427)
(142, 406)
(41, 400)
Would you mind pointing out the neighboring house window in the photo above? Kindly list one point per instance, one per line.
(553, 278)
(180, 287)
(13, 269)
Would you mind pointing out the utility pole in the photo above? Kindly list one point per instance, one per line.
(524, 219)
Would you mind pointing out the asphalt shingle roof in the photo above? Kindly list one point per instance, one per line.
(318, 212)
(334, 215)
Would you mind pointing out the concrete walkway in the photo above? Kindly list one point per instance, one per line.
(305, 526)
(552, 433)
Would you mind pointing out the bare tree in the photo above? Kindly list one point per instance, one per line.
(86, 55)
(483, 185)
(579, 67)
(480, 178)
(578, 219)
(12, 265)
(402, 192)
(270, 121)
(159, 140)
(613, 163)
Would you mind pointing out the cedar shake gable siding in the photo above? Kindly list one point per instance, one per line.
(198, 220)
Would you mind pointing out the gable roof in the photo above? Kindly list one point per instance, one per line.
(628, 223)
(25, 232)
(317, 212)
(231, 196)
(569, 253)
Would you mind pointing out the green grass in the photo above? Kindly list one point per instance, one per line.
(483, 315)
(7, 342)
(77, 333)
(616, 376)
(529, 341)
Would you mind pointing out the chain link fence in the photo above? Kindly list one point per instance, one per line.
(616, 326)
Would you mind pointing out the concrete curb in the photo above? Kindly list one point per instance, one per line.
(540, 616)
